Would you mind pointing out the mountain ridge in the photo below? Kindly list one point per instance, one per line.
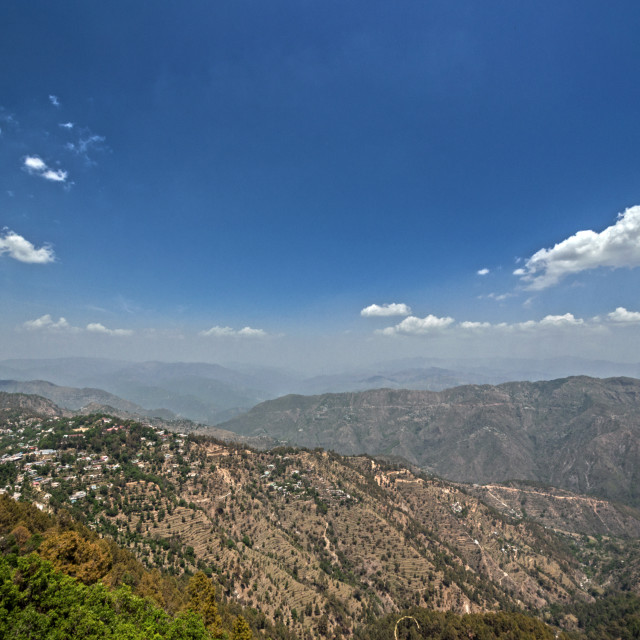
(212, 393)
(578, 433)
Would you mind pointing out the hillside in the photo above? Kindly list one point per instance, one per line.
(581, 434)
(25, 406)
(57, 579)
(75, 399)
(311, 540)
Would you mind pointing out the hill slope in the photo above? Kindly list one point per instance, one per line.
(580, 433)
(307, 538)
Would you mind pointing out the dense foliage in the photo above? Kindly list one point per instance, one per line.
(615, 615)
(58, 579)
(36, 601)
(436, 625)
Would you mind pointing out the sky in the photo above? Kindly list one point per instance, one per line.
(319, 184)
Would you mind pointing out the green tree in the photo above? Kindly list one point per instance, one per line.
(70, 553)
(241, 630)
(202, 600)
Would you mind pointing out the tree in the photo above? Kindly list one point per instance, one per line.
(202, 600)
(241, 630)
(70, 553)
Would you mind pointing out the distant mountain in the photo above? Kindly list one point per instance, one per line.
(72, 372)
(508, 369)
(580, 433)
(201, 392)
(77, 399)
(212, 393)
(28, 406)
(429, 378)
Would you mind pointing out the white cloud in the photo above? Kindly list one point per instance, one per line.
(226, 332)
(37, 166)
(622, 316)
(66, 125)
(498, 297)
(385, 310)
(565, 320)
(33, 163)
(549, 324)
(252, 333)
(616, 246)
(19, 248)
(475, 326)
(483, 272)
(46, 322)
(418, 326)
(7, 118)
(218, 332)
(55, 176)
(54, 100)
(96, 327)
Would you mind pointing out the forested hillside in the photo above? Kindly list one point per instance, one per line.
(300, 543)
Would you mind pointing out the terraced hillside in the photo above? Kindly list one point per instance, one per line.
(311, 540)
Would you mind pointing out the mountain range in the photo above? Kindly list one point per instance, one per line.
(579, 433)
(212, 393)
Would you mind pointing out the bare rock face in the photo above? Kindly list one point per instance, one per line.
(579, 433)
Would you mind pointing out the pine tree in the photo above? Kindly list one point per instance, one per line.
(202, 600)
(241, 630)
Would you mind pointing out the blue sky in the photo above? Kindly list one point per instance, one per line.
(319, 182)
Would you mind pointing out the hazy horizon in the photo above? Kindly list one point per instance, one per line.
(319, 186)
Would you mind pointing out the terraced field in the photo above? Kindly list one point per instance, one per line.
(317, 542)
(306, 535)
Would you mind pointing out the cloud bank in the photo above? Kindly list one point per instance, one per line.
(19, 248)
(432, 324)
(46, 323)
(385, 310)
(418, 326)
(617, 246)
